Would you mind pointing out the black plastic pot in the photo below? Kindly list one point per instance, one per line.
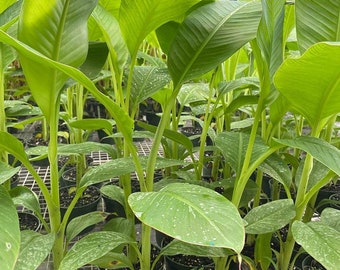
(335, 200)
(309, 263)
(87, 203)
(28, 221)
(188, 262)
(193, 133)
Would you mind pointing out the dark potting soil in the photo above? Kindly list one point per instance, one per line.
(91, 194)
(193, 261)
(28, 221)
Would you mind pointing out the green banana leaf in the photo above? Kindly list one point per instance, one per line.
(10, 233)
(311, 83)
(139, 18)
(43, 27)
(321, 241)
(317, 21)
(270, 33)
(209, 35)
(192, 214)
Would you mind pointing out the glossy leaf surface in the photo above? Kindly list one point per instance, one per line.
(309, 88)
(233, 146)
(138, 18)
(269, 217)
(10, 233)
(209, 35)
(192, 214)
(24, 196)
(146, 81)
(317, 21)
(78, 224)
(321, 150)
(58, 30)
(321, 241)
(35, 250)
(6, 172)
(87, 249)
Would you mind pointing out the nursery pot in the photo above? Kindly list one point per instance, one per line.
(87, 203)
(192, 133)
(28, 221)
(309, 263)
(335, 200)
(186, 262)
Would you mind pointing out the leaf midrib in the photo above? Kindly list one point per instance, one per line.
(207, 40)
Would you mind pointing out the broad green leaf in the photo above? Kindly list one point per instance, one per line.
(113, 192)
(91, 124)
(35, 251)
(112, 260)
(24, 196)
(9, 13)
(111, 33)
(108, 170)
(318, 172)
(241, 101)
(78, 224)
(121, 166)
(313, 91)
(209, 35)
(58, 30)
(95, 59)
(87, 249)
(166, 34)
(242, 83)
(192, 214)
(85, 148)
(270, 216)
(322, 242)
(176, 247)
(270, 33)
(331, 217)
(146, 81)
(317, 21)
(10, 232)
(172, 135)
(5, 4)
(7, 56)
(193, 92)
(124, 122)
(12, 145)
(321, 150)
(233, 146)
(139, 18)
(120, 225)
(6, 172)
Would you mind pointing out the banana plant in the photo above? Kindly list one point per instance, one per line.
(65, 47)
(314, 95)
(8, 17)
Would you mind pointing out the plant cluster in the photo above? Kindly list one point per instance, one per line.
(247, 99)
